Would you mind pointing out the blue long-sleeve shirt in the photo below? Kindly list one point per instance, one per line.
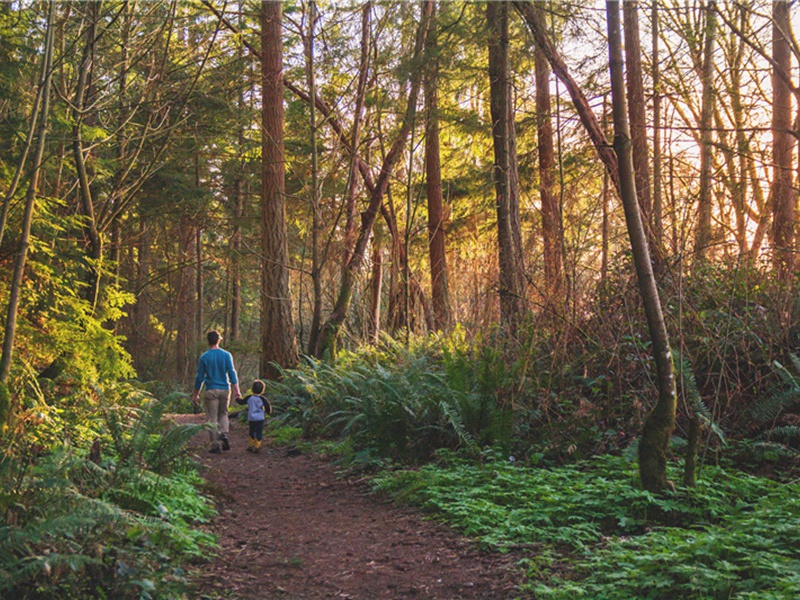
(215, 369)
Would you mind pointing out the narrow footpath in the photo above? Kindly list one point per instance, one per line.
(289, 527)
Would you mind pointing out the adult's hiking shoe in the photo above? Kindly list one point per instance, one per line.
(215, 450)
(226, 445)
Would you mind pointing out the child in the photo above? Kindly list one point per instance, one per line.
(257, 409)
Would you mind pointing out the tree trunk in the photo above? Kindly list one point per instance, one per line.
(552, 226)
(636, 112)
(94, 239)
(504, 172)
(658, 200)
(703, 238)
(376, 287)
(27, 218)
(783, 195)
(661, 421)
(316, 226)
(351, 227)
(330, 333)
(593, 128)
(437, 245)
(278, 343)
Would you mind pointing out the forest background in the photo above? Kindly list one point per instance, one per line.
(446, 207)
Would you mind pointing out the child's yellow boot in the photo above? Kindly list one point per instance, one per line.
(256, 446)
(251, 444)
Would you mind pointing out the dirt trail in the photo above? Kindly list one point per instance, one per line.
(289, 528)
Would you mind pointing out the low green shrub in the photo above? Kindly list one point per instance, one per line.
(734, 536)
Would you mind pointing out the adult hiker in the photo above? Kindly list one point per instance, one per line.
(215, 370)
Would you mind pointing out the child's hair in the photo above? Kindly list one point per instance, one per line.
(258, 386)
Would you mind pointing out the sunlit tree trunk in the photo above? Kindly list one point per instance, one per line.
(85, 193)
(334, 322)
(351, 226)
(552, 227)
(15, 286)
(504, 172)
(376, 288)
(783, 194)
(704, 201)
(437, 246)
(278, 343)
(658, 198)
(637, 118)
(316, 225)
(661, 421)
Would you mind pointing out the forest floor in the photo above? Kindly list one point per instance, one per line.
(290, 527)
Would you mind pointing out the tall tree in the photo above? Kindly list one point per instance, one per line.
(784, 198)
(552, 226)
(594, 129)
(45, 80)
(636, 114)
(504, 171)
(341, 308)
(437, 245)
(278, 343)
(703, 234)
(658, 209)
(660, 423)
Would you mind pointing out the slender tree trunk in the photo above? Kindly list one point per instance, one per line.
(336, 319)
(606, 233)
(351, 227)
(27, 218)
(376, 288)
(184, 316)
(85, 193)
(658, 201)
(552, 226)
(783, 195)
(437, 245)
(590, 123)
(512, 280)
(316, 226)
(703, 238)
(278, 342)
(636, 112)
(198, 285)
(661, 421)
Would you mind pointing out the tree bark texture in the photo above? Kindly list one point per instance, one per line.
(504, 171)
(661, 421)
(636, 112)
(784, 198)
(552, 225)
(278, 343)
(704, 208)
(658, 202)
(437, 244)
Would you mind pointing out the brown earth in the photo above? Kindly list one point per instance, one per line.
(290, 527)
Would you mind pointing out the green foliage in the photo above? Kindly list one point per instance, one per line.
(734, 536)
(119, 525)
(399, 402)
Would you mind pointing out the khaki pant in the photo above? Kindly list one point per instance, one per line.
(217, 413)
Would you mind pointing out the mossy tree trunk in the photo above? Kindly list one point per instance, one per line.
(661, 422)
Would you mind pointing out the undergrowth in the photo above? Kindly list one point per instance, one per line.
(110, 512)
(595, 534)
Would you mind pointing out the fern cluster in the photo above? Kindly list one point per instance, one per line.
(400, 402)
(119, 525)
